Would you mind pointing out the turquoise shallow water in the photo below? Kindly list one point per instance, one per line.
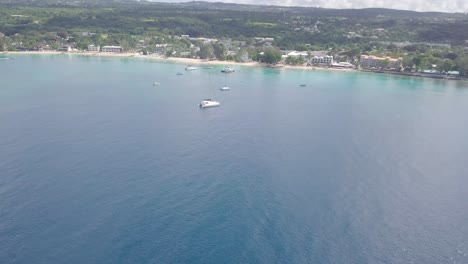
(99, 166)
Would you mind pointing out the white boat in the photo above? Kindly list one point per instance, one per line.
(205, 103)
(228, 70)
(156, 84)
(225, 87)
(191, 68)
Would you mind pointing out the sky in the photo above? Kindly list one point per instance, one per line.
(417, 5)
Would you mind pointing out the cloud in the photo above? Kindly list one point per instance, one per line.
(417, 5)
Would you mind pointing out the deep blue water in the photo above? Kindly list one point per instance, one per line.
(99, 166)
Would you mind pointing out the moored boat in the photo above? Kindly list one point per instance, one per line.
(225, 87)
(191, 68)
(206, 103)
(228, 70)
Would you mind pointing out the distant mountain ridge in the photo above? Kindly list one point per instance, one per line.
(316, 11)
(308, 9)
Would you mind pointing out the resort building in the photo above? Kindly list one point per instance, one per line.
(42, 47)
(94, 48)
(111, 49)
(261, 39)
(322, 60)
(66, 48)
(161, 48)
(204, 40)
(453, 73)
(343, 65)
(297, 54)
(369, 61)
(85, 34)
(184, 54)
(294, 54)
(265, 42)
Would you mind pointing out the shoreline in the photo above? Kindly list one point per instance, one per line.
(200, 62)
(187, 61)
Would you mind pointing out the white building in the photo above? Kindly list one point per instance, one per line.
(322, 60)
(297, 54)
(94, 48)
(369, 61)
(66, 48)
(204, 40)
(343, 65)
(294, 54)
(261, 39)
(111, 49)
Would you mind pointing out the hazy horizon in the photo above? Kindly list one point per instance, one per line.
(450, 6)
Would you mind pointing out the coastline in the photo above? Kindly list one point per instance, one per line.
(201, 62)
(187, 61)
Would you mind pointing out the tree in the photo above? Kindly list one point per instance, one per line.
(2, 44)
(62, 33)
(354, 52)
(207, 51)
(408, 63)
(447, 65)
(451, 56)
(384, 64)
(271, 56)
(254, 54)
(219, 51)
(291, 60)
(301, 47)
(425, 63)
(242, 55)
(392, 47)
(462, 65)
(300, 60)
(417, 62)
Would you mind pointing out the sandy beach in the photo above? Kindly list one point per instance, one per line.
(202, 63)
(187, 61)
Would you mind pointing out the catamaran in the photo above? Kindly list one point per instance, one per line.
(228, 70)
(191, 68)
(205, 103)
(225, 87)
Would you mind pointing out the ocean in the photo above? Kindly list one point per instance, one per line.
(97, 165)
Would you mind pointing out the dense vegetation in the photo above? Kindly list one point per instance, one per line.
(435, 38)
